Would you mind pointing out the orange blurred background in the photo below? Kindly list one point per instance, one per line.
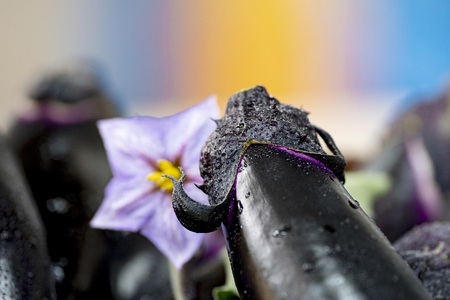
(350, 64)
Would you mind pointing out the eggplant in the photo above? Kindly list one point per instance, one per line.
(415, 156)
(252, 116)
(66, 166)
(292, 230)
(138, 270)
(426, 249)
(24, 260)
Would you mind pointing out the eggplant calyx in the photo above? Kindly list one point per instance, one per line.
(195, 216)
(337, 162)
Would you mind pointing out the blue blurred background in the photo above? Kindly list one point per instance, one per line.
(350, 64)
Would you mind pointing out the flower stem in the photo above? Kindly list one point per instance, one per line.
(228, 290)
(175, 282)
(182, 286)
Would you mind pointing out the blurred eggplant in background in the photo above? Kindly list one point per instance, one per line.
(25, 271)
(67, 169)
(65, 164)
(415, 155)
(426, 248)
(137, 269)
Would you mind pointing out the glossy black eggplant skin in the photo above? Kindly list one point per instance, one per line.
(24, 261)
(66, 166)
(67, 170)
(294, 232)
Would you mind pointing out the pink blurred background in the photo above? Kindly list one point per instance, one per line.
(350, 64)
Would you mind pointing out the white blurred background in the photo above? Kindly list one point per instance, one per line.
(351, 64)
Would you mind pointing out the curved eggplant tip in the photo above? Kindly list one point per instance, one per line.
(195, 216)
(336, 163)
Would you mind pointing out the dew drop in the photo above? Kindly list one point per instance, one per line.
(58, 205)
(308, 267)
(281, 232)
(58, 273)
(353, 203)
(5, 235)
(329, 228)
(247, 194)
(240, 206)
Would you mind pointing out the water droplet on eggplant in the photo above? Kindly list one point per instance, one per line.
(308, 267)
(240, 206)
(281, 232)
(353, 203)
(329, 228)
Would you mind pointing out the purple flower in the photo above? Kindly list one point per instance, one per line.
(138, 198)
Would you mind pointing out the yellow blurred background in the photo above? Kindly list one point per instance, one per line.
(348, 63)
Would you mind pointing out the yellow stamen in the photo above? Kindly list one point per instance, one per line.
(165, 167)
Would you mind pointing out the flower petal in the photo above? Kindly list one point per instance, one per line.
(194, 192)
(132, 144)
(137, 210)
(127, 205)
(165, 231)
(212, 245)
(186, 132)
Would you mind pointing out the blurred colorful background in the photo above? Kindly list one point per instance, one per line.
(351, 64)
